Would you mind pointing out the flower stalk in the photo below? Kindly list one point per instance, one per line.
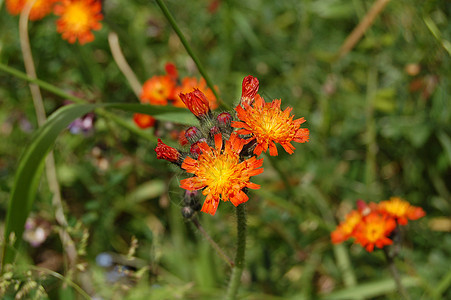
(395, 274)
(235, 279)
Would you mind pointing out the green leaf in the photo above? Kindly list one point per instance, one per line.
(32, 161)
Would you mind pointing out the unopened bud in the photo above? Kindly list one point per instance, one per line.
(193, 134)
(197, 103)
(249, 89)
(168, 153)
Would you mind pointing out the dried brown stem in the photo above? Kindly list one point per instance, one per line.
(361, 28)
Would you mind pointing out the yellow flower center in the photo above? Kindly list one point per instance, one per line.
(77, 16)
(271, 124)
(222, 172)
(374, 231)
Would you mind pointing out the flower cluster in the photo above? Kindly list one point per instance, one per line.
(372, 225)
(221, 158)
(78, 18)
(166, 90)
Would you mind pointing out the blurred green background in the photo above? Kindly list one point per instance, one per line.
(379, 121)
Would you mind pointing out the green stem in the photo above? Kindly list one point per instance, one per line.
(235, 279)
(196, 60)
(395, 274)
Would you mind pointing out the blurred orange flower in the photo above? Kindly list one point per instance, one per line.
(346, 228)
(143, 121)
(220, 174)
(40, 9)
(374, 230)
(401, 210)
(77, 19)
(157, 90)
(372, 224)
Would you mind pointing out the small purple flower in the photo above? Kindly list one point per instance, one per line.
(83, 125)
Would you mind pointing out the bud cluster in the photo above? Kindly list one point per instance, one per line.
(210, 125)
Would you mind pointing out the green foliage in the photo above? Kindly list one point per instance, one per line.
(378, 129)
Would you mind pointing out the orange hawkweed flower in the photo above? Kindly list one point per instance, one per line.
(220, 173)
(77, 19)
(40, 9)
(143, 121)
(157, 90)
(346, 228)
(401, 210)
(374, 230)
(268, 124)
(188, 85)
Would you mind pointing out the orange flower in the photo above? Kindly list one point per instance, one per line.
(346, 228)
(77, 19)
(401, 210)
(157, 90)
(374, 230)
(188, 85)
(143, 121)
(268, 124)
(40, 8)
(220, 173)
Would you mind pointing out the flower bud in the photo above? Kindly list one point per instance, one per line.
(187, 212)
(197, 103)
(249, 89)
(168, 153)
(195, 149)
(214, 130)
(224, 119)
(193, 134)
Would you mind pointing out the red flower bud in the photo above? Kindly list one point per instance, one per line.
(195, 149)
(193, 134)
(214, 130)
(249, 89)
(224, 119)
(196, 102)
(168, 153)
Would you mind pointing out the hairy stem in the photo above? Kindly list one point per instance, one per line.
(395, 274)
(235, 279)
